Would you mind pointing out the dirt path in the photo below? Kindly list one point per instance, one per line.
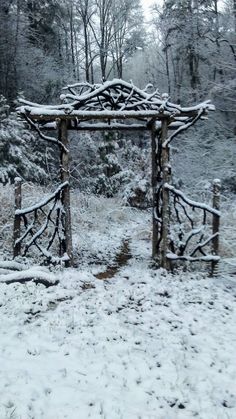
(121, 260)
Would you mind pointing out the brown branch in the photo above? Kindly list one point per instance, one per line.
(202, 244)
(43, 136)
(41, 230)
(184, 127)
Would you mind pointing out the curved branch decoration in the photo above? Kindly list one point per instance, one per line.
(114, 100)
(35, 228)
(187, 242)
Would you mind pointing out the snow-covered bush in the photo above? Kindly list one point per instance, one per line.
(108, 166)
(6, 218)
(112, 164)
(205, 152)
(229, 183)
(19, 152)
(4, 108)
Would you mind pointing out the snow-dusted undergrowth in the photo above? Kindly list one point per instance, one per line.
(142, 344)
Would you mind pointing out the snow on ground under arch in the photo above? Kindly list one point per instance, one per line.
(142, 344)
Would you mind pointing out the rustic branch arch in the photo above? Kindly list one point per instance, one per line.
(119, 105)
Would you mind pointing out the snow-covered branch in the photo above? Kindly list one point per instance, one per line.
(184, 127)
(42, 203)
(191, 202)
(32, 274)
(207, 258)
(114, 99)
(203, 244)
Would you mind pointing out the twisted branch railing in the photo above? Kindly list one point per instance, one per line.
(194, 235)
(43, 224)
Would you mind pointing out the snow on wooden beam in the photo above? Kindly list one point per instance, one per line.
(109, 127)
(52, 126)
(45, 114)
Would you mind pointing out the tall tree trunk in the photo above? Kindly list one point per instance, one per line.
(72, 41)
(16, 45)
(91, 66)
(86, 51)
(234, 14)
(167, 69)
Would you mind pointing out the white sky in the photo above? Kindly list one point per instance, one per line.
(146, 5)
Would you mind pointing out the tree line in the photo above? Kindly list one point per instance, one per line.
(45, 44)
(187, 48)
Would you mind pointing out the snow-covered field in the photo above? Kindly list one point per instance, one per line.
(136, 344)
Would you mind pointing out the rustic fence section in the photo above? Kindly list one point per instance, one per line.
(42, 225)
(194, 234)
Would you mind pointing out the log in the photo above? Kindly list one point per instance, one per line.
(28, 275)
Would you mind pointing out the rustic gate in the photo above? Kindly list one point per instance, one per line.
(114, 106)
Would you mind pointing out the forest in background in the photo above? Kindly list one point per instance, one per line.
(114, 336)
(187, 48)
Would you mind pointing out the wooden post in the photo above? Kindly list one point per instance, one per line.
(215, 223)
(17, 218)
(166, 169)
(155, 227)
(67, 248)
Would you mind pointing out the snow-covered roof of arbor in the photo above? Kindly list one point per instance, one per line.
(114, 100)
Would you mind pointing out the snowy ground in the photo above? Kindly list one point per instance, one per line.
(141, 344)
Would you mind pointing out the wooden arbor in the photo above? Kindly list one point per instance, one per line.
(118, 105)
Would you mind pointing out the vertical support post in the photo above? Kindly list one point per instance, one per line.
(215, 223)
(166, 169)
(17, 218)
(155, 227)
(67, 248)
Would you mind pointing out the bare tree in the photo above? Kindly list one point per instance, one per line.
(86, 10)
(127, 31)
